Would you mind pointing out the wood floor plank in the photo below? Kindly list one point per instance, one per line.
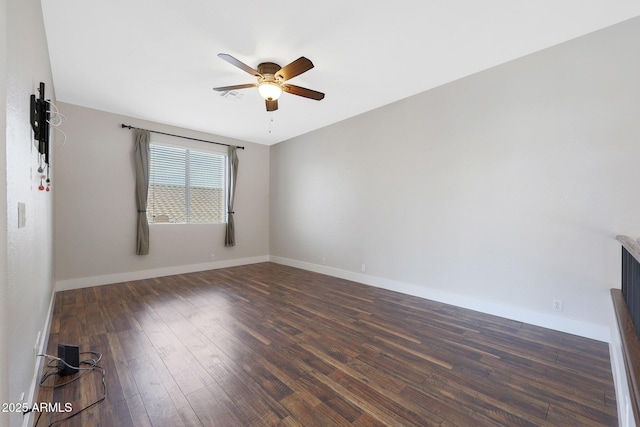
(138, 412)
(270, 345)
(214, 407)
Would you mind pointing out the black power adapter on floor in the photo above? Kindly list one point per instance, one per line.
(71, 356)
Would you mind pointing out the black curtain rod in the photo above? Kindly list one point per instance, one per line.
(180, 136)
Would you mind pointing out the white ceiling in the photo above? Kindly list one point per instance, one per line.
(156, 59)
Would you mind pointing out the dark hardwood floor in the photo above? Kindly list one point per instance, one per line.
(269, 345)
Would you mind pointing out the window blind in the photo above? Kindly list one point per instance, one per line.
(186, 186)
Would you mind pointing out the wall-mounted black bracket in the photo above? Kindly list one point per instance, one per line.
(40, 116)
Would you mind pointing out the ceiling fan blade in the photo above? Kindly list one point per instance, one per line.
(295, 68)
(233, 61)
(234, 87)
(301, 91)
(272, 105)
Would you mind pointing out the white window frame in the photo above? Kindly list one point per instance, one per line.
(194, 147)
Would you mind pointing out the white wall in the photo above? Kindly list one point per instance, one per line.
(96, 212)
(26, 252)
(501, 191)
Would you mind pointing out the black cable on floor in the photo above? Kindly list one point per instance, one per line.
(54, 365)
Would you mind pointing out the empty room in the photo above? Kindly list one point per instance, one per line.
(320, 214)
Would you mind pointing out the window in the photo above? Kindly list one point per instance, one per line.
(186, 185)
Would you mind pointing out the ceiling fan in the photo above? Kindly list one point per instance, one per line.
(272, 80)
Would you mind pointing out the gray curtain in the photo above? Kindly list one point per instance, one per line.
(141, 155)
(232, 159)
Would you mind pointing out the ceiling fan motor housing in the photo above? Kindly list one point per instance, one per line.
(268, 68)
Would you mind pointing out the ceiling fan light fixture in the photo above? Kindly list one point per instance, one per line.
(273, 80)
(269, 90)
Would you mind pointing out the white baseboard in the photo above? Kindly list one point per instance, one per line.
(576, 327)
(85, 282)
(558, 323)
(32, 393)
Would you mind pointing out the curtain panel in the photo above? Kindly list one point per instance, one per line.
(232, 158)
(141, 156)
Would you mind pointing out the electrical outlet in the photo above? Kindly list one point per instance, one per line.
(36, 346)
(22, 215)
(213, 257)
(364, 268)
(324, 261)
(557, 305)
